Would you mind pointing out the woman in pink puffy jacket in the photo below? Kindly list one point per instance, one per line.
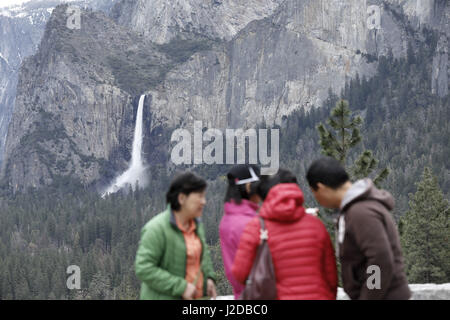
(241, 205)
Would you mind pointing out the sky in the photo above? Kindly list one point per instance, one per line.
(6, 3)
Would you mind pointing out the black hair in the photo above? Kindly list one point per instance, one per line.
(327, 171)
(185, 183)
(267, 182)
(286, 176)
(238, 192)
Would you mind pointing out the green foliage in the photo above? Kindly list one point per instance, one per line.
(44, 231)
(135, 73)
(180, 49)
(366, 164)
(369, 57)
(347, 131)
(100, 287)
(347, 136)
(44, 129)
(425, 230)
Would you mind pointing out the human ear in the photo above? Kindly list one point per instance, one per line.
(320, 186)
(181, 198)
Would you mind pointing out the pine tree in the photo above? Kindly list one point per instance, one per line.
(126, 291)
(100, 287)
(365, 164)
(346, 137)
(424, 233)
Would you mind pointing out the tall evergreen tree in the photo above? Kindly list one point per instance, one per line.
(424, 233)
(346, 136)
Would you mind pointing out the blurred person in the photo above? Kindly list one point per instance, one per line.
(368, 240)
(241, 205)
(173, 259)
(301, 248)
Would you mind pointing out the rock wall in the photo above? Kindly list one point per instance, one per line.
(162, 21)
(70, 110)
(21, 30)
(284, 62)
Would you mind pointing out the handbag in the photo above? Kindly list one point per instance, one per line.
(261, 284)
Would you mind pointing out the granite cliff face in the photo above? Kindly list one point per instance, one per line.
(290, 59)
(70, 108)
(77, 95)
(434, 14)
(20, 35)
(162, 21)
(21, 30)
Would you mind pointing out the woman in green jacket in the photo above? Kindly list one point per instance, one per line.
(173, 260)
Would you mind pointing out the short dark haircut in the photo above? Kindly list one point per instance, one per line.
(283, 176)
(286, 176)
(185, 183)
(327, 171)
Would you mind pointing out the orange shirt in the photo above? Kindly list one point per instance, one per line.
(193, 257)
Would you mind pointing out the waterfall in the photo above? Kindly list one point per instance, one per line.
(136, 171)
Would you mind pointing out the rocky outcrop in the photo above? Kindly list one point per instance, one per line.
(74, 106)
(425, 12)
(8, 80)
(21, 33)
(162, 21)
(434, 14)
(21, 29)
(441, 68)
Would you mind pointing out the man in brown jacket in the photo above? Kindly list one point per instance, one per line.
(368, 243)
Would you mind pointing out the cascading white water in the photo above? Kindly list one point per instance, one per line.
(136, 159)
(135, 174)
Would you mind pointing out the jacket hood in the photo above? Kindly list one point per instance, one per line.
(283, 203)
(365, 190)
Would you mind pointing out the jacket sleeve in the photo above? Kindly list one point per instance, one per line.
(371, 237)
(329, 263)
(150, 251)
(246, 252)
